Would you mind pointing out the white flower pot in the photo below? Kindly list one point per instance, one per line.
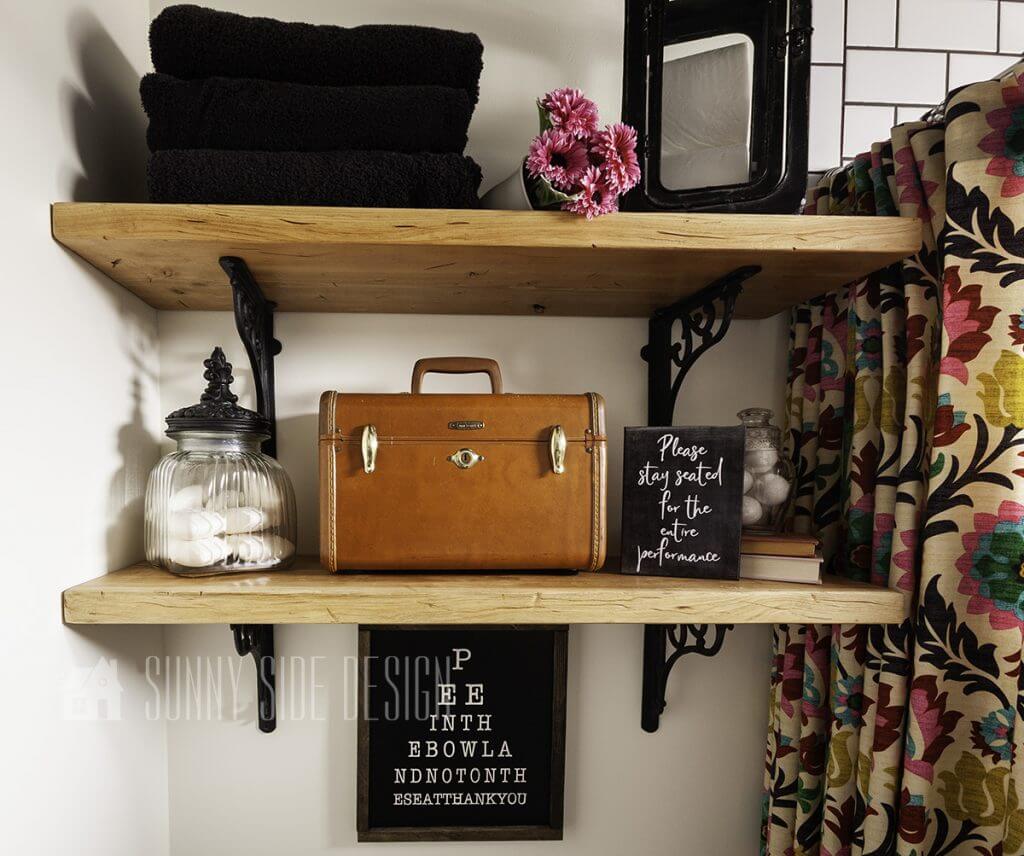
(508, 195)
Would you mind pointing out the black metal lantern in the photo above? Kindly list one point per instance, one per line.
(718, 92)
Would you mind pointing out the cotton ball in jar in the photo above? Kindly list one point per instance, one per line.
(752, 511)
(187, 499)
(748, 481)
(760, 460)
(771, 489)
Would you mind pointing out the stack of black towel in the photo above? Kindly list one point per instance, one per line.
(256, 111)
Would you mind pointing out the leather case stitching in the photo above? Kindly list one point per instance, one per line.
(333, 487)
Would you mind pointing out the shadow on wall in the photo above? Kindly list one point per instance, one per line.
(104, 112)
(138, 450)
(302, 461)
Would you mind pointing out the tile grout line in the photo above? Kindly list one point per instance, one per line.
(936, 51)
(889, 104)
(842, 96)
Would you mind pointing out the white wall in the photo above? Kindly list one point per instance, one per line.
(78, 358)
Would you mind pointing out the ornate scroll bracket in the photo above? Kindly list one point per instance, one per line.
(254, 319)
(705, 318)
(258, 640)
(658, 663)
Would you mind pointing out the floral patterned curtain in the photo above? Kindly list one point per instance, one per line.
(906, 426)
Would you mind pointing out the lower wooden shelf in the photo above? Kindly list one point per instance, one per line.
(305, 594)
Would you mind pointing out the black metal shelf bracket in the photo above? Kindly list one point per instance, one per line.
(657, 639)
(704, 318)
(254, 320)
(258, 640)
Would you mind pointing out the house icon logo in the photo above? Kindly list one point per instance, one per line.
(93, 693)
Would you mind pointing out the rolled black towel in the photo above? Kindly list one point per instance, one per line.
(245, 114)
(190, 41)
(360, 179)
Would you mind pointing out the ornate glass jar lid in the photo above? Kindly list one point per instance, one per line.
(761, 434)
(218, 410)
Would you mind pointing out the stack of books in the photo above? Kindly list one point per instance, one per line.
(785, 558)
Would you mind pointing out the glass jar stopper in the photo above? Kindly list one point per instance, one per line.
(761, 434)
(218, 410)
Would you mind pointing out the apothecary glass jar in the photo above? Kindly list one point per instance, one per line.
(217, 504)
(768, 475)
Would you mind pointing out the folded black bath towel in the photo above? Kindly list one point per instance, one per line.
(190, 41)
(362, 179)
(245, 114)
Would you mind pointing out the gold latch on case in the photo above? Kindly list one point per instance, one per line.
(369, 446)
(558, 444)
(465, 458)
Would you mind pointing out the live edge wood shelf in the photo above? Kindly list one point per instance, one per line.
(308, 595)
(473, 262)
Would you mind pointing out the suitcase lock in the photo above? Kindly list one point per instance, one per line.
(465, 458)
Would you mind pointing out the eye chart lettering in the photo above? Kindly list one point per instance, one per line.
(681, 495)
(461, 733)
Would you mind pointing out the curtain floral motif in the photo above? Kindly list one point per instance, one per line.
(906, 426)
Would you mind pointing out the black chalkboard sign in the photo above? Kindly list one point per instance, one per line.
(682, 491)
(461, 733)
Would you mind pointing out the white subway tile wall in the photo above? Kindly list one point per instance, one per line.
(907, 114)
(878, 62)
(865, 123)
(824, 140)
(895, 76)
(968, 68)
(963, 25)
(827, 19)
(1011, 27)
(871, 23)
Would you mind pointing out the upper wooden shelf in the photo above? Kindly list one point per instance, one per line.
(473, 262)
(308, 595)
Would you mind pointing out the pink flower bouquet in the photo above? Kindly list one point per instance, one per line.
(574, 164)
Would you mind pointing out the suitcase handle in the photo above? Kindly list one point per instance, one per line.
(457, 365)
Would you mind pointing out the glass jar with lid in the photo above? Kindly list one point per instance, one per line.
(768, 475)
(217, 504)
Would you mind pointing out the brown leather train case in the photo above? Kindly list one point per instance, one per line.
(462, 482)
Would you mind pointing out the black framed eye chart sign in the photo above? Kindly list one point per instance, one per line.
(461, 733)
(682, 490)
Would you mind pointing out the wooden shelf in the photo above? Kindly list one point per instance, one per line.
(308, 595)
(473, 262)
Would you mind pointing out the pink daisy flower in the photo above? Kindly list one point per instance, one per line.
(571, 111)
(596, 196)
(559, 158)
(616, 146)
